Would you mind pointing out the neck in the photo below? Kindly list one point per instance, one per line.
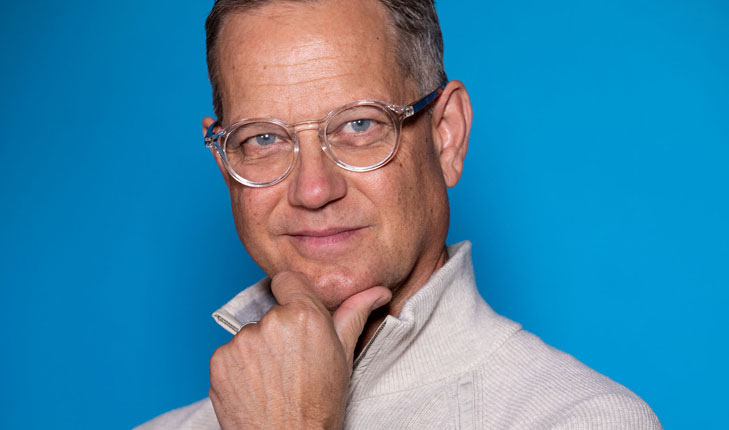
(400, 296)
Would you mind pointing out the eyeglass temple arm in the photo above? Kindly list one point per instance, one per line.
(211, 137)
(425, 101)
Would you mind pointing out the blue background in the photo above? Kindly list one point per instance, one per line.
(595, 194)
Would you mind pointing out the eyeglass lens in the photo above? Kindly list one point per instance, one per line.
(359, 136)
(259, 152)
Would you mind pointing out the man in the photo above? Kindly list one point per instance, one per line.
(338, 135)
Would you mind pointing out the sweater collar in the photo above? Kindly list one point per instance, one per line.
(251, 304)
(430, 340)
(436, 336)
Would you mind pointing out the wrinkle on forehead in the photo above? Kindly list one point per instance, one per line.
(336, 64)
(301, 71)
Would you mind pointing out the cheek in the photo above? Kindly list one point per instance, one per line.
(422, 190)
(250, 212)
(402, 196)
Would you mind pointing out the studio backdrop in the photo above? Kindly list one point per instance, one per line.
(595, 194)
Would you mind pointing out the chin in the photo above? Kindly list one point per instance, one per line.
(334, 288)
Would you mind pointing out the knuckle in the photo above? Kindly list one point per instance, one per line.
(217, 363)
(302, 312)
(308, 317)
(291, 319)
(218, 357)
(270, 320)
(296, 312)
(241, 342)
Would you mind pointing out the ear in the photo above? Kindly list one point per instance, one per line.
(451, 125)
(206, 123)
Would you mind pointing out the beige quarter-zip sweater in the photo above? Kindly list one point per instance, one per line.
(448, 361)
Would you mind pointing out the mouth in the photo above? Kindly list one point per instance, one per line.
(326, 240)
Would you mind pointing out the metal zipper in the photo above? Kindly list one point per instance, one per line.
(367, 347)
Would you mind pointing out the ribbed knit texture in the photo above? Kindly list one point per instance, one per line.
(448, 361)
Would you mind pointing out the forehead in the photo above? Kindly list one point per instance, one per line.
(299, 60)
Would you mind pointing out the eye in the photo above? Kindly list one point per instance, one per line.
(263, 139)
(357, 125)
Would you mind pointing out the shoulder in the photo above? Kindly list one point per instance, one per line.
(538, 386)
(608, 411)
(197, 416)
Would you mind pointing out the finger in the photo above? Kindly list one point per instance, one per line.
(289, 287)
(351, 317)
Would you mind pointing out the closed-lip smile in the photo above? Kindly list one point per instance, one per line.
(312, 240)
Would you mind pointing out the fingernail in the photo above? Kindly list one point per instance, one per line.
(380, 302)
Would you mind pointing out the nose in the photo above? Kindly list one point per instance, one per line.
(316, 181)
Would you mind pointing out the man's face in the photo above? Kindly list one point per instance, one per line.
(345, 231)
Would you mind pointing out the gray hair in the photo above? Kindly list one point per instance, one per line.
(415, 23)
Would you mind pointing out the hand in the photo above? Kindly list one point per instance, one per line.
(292, 369)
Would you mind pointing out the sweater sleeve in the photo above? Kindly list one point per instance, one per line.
(197, 416)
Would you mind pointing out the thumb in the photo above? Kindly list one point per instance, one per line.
(349, 320)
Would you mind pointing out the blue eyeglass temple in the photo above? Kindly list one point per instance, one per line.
(209, 136)
(425, 101)
(417, 106)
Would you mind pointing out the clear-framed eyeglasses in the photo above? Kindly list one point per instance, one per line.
(360, 137)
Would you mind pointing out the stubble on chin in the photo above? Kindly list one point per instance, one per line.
(334, 288)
